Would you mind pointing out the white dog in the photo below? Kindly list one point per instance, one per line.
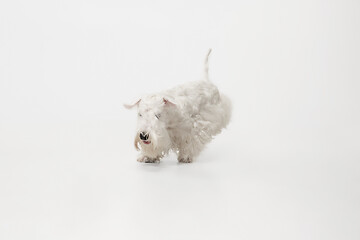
(183, 119)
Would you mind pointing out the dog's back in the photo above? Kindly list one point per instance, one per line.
(201, 103)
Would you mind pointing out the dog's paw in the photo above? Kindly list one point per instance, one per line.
(185, 159)
(142, 159)
(152, 160)
(145, 159)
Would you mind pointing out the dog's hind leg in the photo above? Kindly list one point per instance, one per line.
(189, 149)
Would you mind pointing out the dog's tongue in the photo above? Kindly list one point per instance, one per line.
(146, 142)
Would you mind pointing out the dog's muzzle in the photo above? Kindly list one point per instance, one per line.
(144, 137)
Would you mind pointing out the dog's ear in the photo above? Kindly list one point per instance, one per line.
(130, 106)
(167, 102)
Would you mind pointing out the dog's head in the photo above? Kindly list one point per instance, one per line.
(154, 114)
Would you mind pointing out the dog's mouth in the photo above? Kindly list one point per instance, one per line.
(146, 142)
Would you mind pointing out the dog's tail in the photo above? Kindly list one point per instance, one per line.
(206, 66)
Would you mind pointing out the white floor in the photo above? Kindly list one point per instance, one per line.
(287, 167)
(81, 181)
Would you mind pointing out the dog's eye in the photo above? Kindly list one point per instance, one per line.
(140, 115)
(157, 116)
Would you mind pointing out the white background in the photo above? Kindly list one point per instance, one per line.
(287, 167)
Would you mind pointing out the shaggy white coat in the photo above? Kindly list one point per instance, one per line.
(182, 119)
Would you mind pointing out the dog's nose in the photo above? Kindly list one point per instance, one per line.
(144, 136)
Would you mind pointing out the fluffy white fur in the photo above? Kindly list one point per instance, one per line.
(182, 119)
